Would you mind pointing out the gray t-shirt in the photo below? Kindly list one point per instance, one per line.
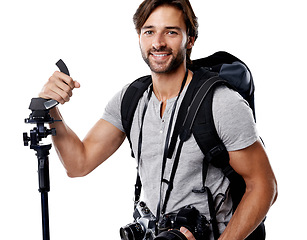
(235, 126)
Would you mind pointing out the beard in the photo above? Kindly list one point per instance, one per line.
(164, 66)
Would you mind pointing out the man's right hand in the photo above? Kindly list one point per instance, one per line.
(59, 87)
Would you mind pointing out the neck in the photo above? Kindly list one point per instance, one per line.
(167, 85)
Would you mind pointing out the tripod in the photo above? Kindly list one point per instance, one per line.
(40, 116)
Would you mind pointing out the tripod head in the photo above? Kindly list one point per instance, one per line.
(39, 116)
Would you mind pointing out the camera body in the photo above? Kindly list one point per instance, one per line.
(188, 217)
(145, 225)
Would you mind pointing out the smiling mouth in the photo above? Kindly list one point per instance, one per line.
(160, 55)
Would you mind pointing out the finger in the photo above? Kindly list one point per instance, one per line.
(77, 84)
(64, 96)
(52, 95)
(57, 86)
(187, 233)
(65, 78)
(64, 87)
(57, 90)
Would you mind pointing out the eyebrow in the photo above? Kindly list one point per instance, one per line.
(174, 27)
(167, 27)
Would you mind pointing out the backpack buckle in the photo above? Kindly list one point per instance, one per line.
(215, 152)
(228, 171)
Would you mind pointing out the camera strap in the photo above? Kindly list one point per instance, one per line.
(138, 184)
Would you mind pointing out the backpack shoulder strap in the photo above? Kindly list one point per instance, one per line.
(130, 101)
(199, 121)
(199, 77)
(128, 106)
(201, 125)
(204, 131)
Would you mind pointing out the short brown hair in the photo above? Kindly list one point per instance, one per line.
(148, 6)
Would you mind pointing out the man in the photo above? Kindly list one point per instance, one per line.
(167, 32)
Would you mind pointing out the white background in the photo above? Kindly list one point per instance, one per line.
(97, 41)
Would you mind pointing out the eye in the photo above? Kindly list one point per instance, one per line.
(172, 33)
(148, 32)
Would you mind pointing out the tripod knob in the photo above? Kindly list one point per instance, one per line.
(26, 139)
(51, 132)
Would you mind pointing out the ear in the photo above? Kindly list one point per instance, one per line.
(191, 41)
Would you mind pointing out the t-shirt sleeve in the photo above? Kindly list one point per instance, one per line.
(233, 119)
(112, 112)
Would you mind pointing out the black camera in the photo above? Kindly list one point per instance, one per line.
(145, 227)
(188, 217)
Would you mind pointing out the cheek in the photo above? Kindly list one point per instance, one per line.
(183, 43)
(144, 45)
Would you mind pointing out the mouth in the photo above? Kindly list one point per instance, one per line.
(160, 56)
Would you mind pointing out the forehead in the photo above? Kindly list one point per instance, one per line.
(166, 16)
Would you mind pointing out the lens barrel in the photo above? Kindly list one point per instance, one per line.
(173, 234)
(132, 231)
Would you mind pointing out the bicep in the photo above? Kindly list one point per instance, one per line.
(101, 142)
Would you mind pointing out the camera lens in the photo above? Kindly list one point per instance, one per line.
(126, 234)
(173, 234)
(132, 231)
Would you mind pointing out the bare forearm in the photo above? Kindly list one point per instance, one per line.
(249, 214)
(81, 157)
(69, 147)
(253, 165)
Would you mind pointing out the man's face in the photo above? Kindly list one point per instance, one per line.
(163, 40)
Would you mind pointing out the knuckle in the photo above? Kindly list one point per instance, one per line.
(69, 93)
(56, 74)
(59, 99)
(44, 92)
(66, 88)
(70, 82)
(65, 96)
(52, 79)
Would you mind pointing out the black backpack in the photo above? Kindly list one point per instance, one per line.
(195, 117)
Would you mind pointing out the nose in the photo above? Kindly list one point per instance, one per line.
(158, 41)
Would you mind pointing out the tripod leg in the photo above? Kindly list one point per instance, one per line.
(44, 185)
(45, 216)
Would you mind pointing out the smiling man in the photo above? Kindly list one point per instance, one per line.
(167, 31)
(164, 43)
(164, 46)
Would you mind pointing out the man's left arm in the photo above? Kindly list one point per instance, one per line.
(253, 165)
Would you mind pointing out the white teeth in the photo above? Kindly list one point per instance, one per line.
(159, 55)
